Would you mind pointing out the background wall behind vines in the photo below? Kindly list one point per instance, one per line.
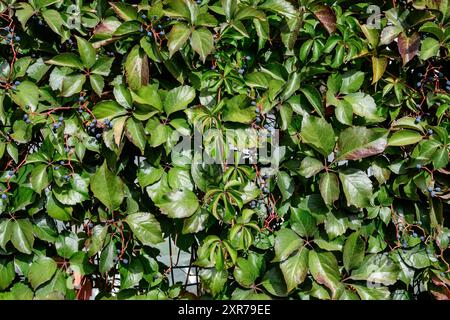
(95, 96)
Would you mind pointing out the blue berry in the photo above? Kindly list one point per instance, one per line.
(418, 119)
(447, 88)
(430, 189)
(149, 33)
(258, 119)
(422, 238)
(405, 244)
(17, 82)
(420, 75)
(144, 16)
(418, 84)
(241, 71)
(17, 38)
(81, 98)
(125, 261)
(440, 75)
(433, 194)
(7, 29)
(253, 103)
(13, 87)
(9, 36)
(266, 126)
(199, 1)
(25, 117)
(27, 121)
(161, 33)
(61, 118)
(4, 196)
(414, 235)
(437, 189)
(56, 168)
(265, 190)
(418, 166)
(61, 162)
(430, 131)
(10, 173)
(247, 58)
(98, 135)
(80, 110)
(448, 83)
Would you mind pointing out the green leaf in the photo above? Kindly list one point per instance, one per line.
(356, 143)
(318, 133)
(137, 68)
(22, 235)
(108, 109)
(248, 270)
(123, 96)
(363, 105)
(178, 204)
(39, 178)
(54, 20)
(295, 269)
(329, 187)
(70, 60)
(7, 273)
(24, 11)
(125, 11)
(282, 7)
(285, 184)
(324, 269)
(353, 253)
(177, 37)
(102, 66)
(377, 268)
(131, 274)
(145, 227)
(97, 83)
(57, 210)
(202, 42)
(377, 293)
(302, 222)
(134, 130)
(310, 167)
(41, 271)
(97, 239)
(6, 229)
(178, 99)
(404, 137)
(357, 187)
(107, 257)
(314, 97)
(72, 84)
(26, 95)
(286, 242)
(86, 51)
(352, 81)
(196, 222)
(107, 187)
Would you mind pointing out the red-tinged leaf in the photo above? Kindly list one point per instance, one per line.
(327, 17)
(408, 46)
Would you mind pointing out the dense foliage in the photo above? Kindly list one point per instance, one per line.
(95, 97)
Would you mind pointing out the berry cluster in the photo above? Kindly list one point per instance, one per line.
(434, 78)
